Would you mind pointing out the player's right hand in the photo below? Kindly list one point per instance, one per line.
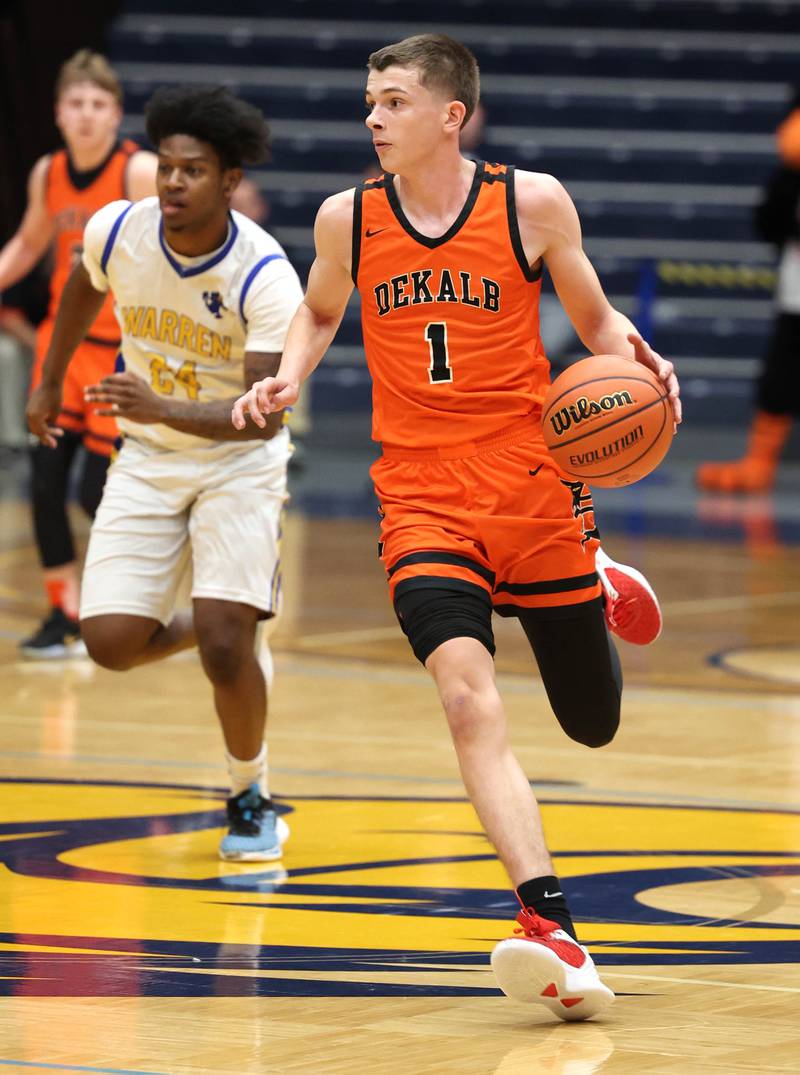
(44, 406)
(265, 397)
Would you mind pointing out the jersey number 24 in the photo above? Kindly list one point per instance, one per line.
(163, 377)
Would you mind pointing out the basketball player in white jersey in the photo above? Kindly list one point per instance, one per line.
(204, 298)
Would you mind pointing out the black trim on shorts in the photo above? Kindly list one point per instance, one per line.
(437, 582)
(101, 437)
(100, 342)
(530, 274)
(550, 612)
(528, 589)
(356, 247)
(443, 558)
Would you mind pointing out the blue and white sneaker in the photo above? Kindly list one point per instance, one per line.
(255, 832)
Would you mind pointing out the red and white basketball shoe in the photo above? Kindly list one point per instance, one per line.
(546, 966)
(632, 609)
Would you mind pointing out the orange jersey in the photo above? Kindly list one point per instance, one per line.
(69, 207)
(451, 325)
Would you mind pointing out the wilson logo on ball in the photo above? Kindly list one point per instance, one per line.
(584, 408)
(607, 420)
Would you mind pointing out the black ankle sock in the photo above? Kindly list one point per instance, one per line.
(544, 895)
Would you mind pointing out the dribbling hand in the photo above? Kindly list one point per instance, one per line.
(663, 369)
(265, 397)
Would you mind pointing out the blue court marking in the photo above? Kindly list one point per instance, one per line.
(80, 1067)
(720, 660)
(604, 797)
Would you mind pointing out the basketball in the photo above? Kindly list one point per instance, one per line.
(607, 421)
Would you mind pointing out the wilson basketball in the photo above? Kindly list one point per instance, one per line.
(607, 421)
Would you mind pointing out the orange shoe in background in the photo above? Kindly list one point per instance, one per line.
(755, 471)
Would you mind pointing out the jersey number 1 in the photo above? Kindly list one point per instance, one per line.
(439, 370)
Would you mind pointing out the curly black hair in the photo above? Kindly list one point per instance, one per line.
(237, 130)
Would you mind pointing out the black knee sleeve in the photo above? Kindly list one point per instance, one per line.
(581, 672)
(50, 468)
(95, 468)
(430, 616)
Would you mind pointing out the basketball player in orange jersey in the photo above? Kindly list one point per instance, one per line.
(447, 255)
(65, 188)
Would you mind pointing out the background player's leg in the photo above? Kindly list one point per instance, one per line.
(581, 672)
(776, 403)
(95, 469)
(226, 638)
(50, 470)
(138, 553)
(119, 641)
(226, 632)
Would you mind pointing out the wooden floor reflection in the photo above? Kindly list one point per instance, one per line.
(125, 945)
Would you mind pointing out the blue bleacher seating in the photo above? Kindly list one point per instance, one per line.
(657, 116)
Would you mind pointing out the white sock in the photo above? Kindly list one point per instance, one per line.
(245, 773)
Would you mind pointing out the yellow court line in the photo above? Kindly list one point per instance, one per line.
(599, 950)
(54, 949)
(702, 981)
(29, 835)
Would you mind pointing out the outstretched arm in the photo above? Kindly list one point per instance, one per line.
(317, 318)
(124, 395)
(550, 229)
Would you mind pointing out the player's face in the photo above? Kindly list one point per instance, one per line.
(87, 116)
(193, 188)
(407, 120)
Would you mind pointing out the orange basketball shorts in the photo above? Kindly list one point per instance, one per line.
(91, 362)
(496, 516)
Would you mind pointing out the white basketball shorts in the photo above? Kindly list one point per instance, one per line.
(212, 511)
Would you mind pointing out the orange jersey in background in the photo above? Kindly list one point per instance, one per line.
(69, 207)
(451, 325)
(70, 201)
(788, 135)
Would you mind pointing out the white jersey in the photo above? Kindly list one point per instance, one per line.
(788, 292)
(187, 322)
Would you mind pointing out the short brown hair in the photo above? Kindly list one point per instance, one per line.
(88, 66)
(443, 64)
